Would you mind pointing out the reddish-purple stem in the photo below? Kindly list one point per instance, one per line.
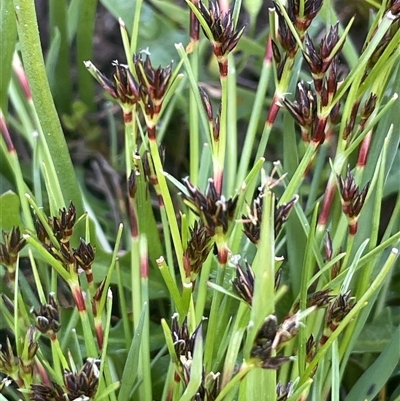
(364, 150)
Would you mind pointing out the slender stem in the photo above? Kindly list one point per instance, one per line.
(146, 388)
(255, 115)
(84, 50)
(231, 127)
(135, 27)
(214, 321)
(36, 73)
(169, 208)
(299, 173)
(194, 118)
(221, 141)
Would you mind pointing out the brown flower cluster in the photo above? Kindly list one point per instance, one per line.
(184, 344)
(224, 34)
(48, 317)
(252, 221)
(146, 86)
(13, 243)
(57, 242)
(77, 386)
(353, 199)
(19, 368)
(215, 211)
(243, 283)
(285, 36)
(309, 108)
(197, 250)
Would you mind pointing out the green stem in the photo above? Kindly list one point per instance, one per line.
(169, 208)
(214, 321)
(221, 141)
(244, 369)
(135, 27)
(231, 129)
(84, 50)
(254, 119)
(36, 73)
(194, 120)
(299, 174)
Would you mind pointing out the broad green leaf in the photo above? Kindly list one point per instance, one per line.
(8, 36)
(373, 380)
(9, 211)
(132, 361)
(375, 336)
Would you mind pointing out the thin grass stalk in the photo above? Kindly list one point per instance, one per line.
(245, 368)
(84, 50)
(202, 289)
(168, 204)
(35, 69)
(145, 389)
(90, 345)
(220, 142)
(231, 127)
(164, 219)
(193, 85)
(255, 114)
(135, 28)
(238, 329)
(214, 320)
(8, 34)
(62, 84)
(11, 154)
(194, 143)
(123, 305)
(298, 176)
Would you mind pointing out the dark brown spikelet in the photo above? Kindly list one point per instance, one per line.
(252, 221)
(285, 35)
(311, 9)
(48, 317)
(319, 60)
(224, 35)
(13, 244)
(197, 250)
(41, 392)
(284, 392)
(122, 86)
(337, 311)
(215, 211)
(318, 299)
(84, 255)
(353, 198)
(304, 110)
(263, 345)
(183, 341)
(63, 226)
(154, 83)
(85, 382)
(243, 283)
